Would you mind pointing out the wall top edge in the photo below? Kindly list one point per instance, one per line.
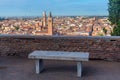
(37, 36)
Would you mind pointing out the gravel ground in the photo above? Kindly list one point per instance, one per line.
(17, 68)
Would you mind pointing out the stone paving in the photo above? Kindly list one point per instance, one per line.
(17, 68)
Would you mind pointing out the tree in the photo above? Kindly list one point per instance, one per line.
(116, 30)
(105, 30)
(114, 11)
(16, 27)
(114, 15)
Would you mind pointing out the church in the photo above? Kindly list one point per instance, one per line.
(46, 27)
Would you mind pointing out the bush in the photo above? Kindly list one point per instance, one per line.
(116, 31)
(105, 30)
(16, 27)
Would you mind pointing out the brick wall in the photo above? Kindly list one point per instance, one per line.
(105, 48)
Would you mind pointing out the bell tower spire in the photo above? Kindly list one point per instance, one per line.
(50, 14)
(44, 19)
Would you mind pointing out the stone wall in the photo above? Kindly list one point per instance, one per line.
(105, 48)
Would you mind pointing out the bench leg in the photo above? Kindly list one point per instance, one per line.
(39, 66)
(79, 69)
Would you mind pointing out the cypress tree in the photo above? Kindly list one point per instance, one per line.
(114, 16)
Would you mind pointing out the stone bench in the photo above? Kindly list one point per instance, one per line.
(59, 55)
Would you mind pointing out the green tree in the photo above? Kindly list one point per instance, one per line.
(114, 11)
(16, 27)
(116, 30)
(114, 15)
(105, 30)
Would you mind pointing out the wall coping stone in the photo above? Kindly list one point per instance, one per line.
(75, 37)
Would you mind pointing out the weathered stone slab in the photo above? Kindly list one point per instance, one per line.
(60, 55)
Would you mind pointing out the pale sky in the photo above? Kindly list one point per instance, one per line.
(57, 7)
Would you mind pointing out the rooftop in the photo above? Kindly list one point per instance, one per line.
(19, 68)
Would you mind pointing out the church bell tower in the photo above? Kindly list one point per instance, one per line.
(44, 19)
(50, 24)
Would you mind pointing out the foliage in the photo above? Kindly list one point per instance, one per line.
(105, 30)
(116, 30)
(16, 27)
(114, 15)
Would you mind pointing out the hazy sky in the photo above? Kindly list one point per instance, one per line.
(57, 7)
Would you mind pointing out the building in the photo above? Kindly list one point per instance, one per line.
(46, 25)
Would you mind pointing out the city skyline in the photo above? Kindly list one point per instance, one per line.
(57, 7)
